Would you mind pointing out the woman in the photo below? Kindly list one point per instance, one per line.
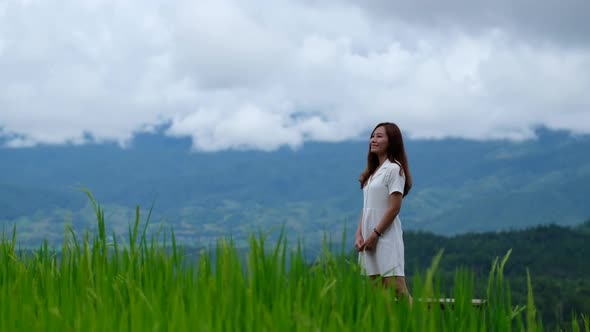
(385, 181)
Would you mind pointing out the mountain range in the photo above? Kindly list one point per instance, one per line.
(460, 186)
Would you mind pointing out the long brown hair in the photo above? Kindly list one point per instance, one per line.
(396, 153)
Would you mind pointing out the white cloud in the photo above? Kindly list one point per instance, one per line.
(272, 73)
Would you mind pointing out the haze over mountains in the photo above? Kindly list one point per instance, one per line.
(459, 186)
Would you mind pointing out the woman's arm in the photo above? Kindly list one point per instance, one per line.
(395, 204)
(359, 242)
(360, 225)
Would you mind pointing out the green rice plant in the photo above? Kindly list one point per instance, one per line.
(577, 324)
(152, 284)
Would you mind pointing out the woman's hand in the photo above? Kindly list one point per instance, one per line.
(359, 242)
(371, 242)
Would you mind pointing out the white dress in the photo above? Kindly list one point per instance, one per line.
(387, 259)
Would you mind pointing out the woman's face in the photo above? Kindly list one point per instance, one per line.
(379, 141)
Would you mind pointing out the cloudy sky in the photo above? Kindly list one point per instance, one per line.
(261, 74)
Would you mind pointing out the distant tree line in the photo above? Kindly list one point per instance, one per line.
(556, 256)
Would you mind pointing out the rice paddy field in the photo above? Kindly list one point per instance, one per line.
(150, 284)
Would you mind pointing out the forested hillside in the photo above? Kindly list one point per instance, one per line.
(556, 256)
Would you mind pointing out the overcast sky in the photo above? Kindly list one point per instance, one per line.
(261, 74)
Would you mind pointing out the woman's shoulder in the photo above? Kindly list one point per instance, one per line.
(394, 168)
(393, 165)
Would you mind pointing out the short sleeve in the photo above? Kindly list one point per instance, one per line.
(394, 181)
